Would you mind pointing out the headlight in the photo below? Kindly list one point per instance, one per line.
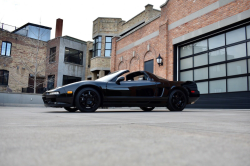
(54, 93)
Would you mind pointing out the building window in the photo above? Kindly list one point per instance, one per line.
(52, 55)
(6, 48)
(4, 77)
(70, 79)
(97, 46)
(50, 82)
(218, 64)
(108, 46)
(73, 56)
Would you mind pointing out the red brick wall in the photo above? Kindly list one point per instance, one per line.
(162, 44)
(145, 31)
(141, 54)
(178, 9)
(219, 14)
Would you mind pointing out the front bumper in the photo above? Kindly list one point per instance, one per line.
(57, 100)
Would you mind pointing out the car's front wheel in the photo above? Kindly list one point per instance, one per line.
(147, 108)
(87, 100)
(177, 100)
(71, 109)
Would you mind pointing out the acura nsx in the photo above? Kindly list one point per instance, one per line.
(119, 89)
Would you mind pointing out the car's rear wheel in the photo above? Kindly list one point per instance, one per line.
(87, 100)
(177, 100)
(71, 109)
(147, 108)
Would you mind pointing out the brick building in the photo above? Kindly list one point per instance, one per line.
(60, 60)
(203, 41)
(99, 52)
(18, 56)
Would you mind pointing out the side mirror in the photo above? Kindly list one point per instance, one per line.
(119, 79)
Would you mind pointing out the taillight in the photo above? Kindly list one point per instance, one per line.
(192, 91)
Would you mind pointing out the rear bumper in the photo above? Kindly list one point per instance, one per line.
(192, 100)
(193, 97)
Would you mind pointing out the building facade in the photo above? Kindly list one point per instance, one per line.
(18, 62)
(203, 41)
(59, 61)
(104, 29)
(67, 62)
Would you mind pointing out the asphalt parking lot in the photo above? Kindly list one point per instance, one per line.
(51, 136)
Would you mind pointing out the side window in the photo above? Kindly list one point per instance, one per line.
(4, 77)
(137, 76)
(6, 48)
(141, 77)
(52, 55)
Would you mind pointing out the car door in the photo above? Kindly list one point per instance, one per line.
(131, 91)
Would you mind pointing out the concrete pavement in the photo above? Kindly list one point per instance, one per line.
(52, 136)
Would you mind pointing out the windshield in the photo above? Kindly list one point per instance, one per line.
(111, 76)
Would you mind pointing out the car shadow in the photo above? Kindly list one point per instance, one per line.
(102, 112)
(122, 111)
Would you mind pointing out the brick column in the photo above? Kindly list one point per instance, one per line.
(113, 55)
(163, 50)
(103, 47)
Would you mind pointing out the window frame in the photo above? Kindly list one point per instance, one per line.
(6, 42)
(50, 55)
(95, 46)
(226, 61)
(2, 83)
(105, 46)
(81, 62)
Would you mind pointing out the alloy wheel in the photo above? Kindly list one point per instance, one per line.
(88, 99)
(178, 100)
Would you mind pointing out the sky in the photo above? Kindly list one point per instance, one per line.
(77, 15)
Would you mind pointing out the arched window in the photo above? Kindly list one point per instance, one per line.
(4, 77)
(6, 48)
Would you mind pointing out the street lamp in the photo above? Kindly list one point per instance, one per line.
(159, 60)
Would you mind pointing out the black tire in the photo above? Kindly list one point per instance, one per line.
(71, 109)
(147, 108)
(87, 100)
(177, 100)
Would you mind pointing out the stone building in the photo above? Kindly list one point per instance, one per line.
(18, 58)
(61, 60)
(98, 56)
(203, 41)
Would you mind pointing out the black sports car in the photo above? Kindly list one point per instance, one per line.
(140, 89)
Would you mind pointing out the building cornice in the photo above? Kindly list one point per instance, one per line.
(164, 4)
(151, 20)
